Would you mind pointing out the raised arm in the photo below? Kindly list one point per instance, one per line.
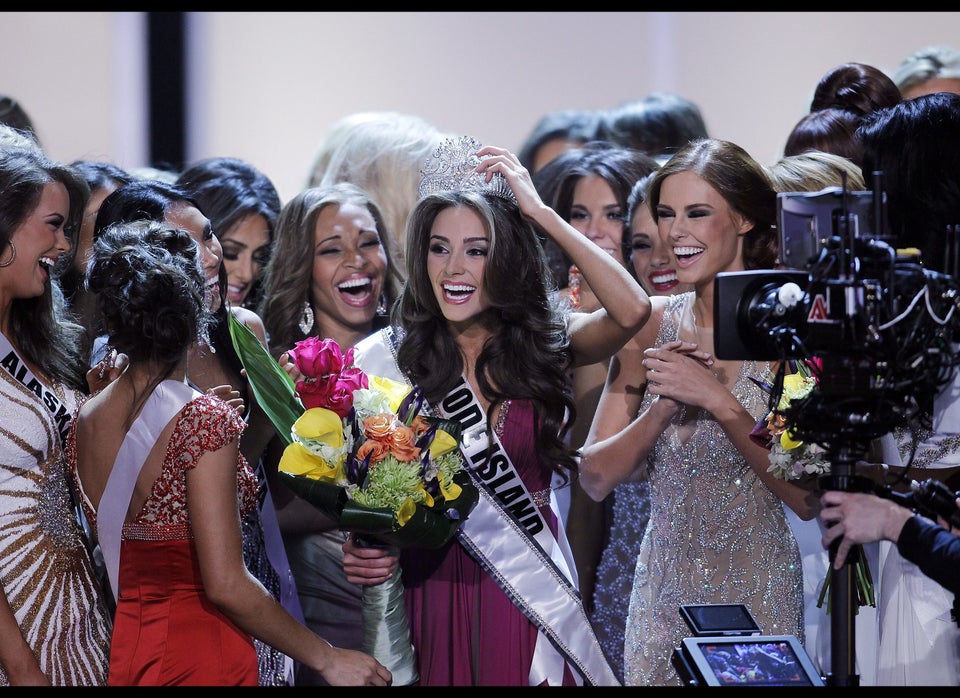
(625, 306)
(620, 437)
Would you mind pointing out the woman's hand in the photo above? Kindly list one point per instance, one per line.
(368, 565)
(107, 370)
(507, 164)
(290, 367)
(678, 371)
(228, 394)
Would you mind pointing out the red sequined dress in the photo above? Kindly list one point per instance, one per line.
(166, 631)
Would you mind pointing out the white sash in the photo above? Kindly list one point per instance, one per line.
(17, 368)
(167, 399)
(518, 551)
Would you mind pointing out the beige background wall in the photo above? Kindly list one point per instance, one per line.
(267, 86)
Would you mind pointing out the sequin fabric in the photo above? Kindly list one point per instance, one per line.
(45, 568)
(716, 534)
(206, 423)
(272, 663)
(627, 509)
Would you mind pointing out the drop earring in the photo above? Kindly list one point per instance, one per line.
(13, 256)
(382, 305)
(306, 319)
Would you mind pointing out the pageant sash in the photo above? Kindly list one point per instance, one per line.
(517, 550)
(166, 400)
(17, 368)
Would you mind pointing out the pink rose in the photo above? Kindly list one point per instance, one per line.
(339, 398)
(329, 375)
(317, 358)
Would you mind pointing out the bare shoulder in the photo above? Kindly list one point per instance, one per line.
(251, 320)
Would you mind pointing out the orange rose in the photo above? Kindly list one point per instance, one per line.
(379, 426)
(377, 450)
(403, 443)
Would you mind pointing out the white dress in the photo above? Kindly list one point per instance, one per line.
(919, 640)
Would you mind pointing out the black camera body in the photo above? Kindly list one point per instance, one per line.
(880, 324)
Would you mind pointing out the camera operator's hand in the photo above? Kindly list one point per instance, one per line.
(859, 518)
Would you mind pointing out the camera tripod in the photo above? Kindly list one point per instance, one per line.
(842, 594)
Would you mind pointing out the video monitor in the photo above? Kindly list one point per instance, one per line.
(755, 660)
(719, 619)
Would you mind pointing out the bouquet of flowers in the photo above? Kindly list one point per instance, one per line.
(793, 459)
(358, 449)
(790, 458)
(362, 452)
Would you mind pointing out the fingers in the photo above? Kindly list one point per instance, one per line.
(229, 395)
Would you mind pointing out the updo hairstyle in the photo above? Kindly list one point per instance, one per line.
(150, 290)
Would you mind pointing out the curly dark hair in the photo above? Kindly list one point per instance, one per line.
(742, 183)
(149, 289)
(527, 356)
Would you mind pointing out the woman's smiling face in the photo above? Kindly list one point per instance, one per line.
(696, 222)
(456, 259)
(349, 267)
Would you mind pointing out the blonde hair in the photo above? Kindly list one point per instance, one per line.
(382, 153)
(814, 170)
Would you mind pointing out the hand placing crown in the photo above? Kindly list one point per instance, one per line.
(453, 167)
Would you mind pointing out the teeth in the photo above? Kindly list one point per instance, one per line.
(47, 261)
(354, 283)
(663, 278)
(458, 288)
(686, 251)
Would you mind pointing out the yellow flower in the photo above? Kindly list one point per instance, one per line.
(442, 443)
(787, 442)
(394, 390)
(406, 511)
(448, 488)
(320, 424)
(298, 460)
(795, 387)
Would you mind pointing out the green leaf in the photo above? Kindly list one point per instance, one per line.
(427, 528)
(272, 387)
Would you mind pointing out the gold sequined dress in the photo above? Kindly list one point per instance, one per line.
(45, 568)
(716, 534)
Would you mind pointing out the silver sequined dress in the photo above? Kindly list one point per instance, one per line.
(716, 534)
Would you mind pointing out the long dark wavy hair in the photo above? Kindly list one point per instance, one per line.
(742, 183)
(45, 334)
(287, 277)
(228, 190)
(527, 356)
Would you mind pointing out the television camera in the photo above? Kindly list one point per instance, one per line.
(877, 326)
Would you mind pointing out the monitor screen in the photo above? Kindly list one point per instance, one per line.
(759, 660)
(719, 619)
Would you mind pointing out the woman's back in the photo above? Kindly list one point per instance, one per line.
(166, 631)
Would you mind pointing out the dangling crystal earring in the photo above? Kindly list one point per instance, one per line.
(306, 318)
(382, 305)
